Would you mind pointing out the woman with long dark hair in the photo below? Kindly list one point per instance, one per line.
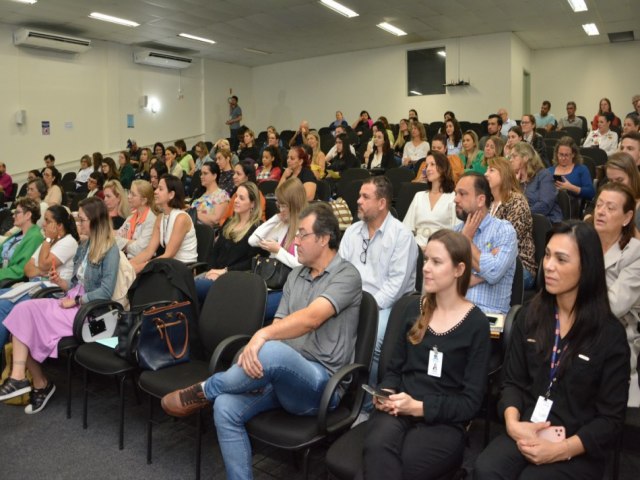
(436, 375)
(566, 373)
(382, 156)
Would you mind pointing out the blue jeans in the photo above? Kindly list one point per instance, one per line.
(5, 308)
(202, 288)
(290, 381)
(383, 319)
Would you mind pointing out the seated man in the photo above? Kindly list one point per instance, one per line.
(384, 252)
(507, 123)
(288, 363)
(630, 144)
(494, 245)
(571, 120)
(300, 135)
(545, 119)
(494, 127)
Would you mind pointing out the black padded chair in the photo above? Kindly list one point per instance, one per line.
(350, 194)
(323, 190)
(348, 175)
(565, 204)
(344, 457)
(573, 132)
(541, 225)
(151, 289)
(599, 156)
(294, 432)
(205, 236)
(405, 196)
(397, 176)
(517, 287)
(268, 187)
(229, 316)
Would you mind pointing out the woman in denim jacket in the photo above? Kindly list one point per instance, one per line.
(38, 325)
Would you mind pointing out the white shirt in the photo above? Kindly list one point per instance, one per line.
(424, 219)
(506, 126)
(389, 268)
(64, 250)
(607, 141)
(188, 251)
(334, 151)
(415, 153)
(274, 229)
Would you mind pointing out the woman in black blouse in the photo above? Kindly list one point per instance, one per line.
(382, 157)
(298, 161)
(437, 374)
(568, 353)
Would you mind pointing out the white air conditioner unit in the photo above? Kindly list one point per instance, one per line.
(26, 37)
(156, 58)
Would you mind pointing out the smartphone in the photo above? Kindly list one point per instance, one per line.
(558, 178)
(554, 434)
(376, 392)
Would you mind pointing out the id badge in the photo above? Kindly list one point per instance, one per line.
(542, 410)
(435, 363)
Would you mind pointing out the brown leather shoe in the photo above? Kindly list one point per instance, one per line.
(185, 402)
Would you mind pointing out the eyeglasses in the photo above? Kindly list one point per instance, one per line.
(300, 236)
(365, 247)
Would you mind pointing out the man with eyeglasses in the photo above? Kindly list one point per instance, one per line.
(288, 363)
(384, 252)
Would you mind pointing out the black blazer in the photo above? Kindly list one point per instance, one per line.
(388, 160)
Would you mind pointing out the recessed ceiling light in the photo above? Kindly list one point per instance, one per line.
(391, 29)
(590, 29)
(414, 92)
(578, 5)
(199, 39)
(30, 2)
(109, 18)
(255, 50)
(338, 7)
(442, 53)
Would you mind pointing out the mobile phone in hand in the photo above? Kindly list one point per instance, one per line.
(558, 178)
(554, 434)
(376, 392)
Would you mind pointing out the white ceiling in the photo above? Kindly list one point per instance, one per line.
(294, 29)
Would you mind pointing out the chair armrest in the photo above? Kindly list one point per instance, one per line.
(331, 387)
(47, 292)
(234, 341)
(199, 267)
(7, 282)
(86, 309)
(132, 342)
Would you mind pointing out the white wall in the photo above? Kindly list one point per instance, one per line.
(520, 62)
(376, 81)
(585, 75)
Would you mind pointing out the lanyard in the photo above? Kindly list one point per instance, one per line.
(556, 354)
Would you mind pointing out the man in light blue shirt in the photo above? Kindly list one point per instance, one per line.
(507, 123)
(384, 252)
(494, 245)
(545, 119)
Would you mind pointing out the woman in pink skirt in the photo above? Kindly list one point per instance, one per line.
(38, 325)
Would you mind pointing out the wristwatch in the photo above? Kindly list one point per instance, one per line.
(48, 240)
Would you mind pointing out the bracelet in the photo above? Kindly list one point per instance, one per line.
(566, 442)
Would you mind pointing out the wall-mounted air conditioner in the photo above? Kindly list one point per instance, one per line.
(156, 58)
(27, 37)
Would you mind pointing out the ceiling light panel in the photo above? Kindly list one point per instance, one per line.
(111, 19)
(391, 29)
(338, 7)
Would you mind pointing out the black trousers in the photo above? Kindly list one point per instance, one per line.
(408, 448)
(502, 460)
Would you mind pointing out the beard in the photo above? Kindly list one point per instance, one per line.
(461, 214)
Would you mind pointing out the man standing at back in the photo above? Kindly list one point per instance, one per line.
(235, 117)
(384, 252)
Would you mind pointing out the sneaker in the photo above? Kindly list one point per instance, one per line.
(183, 403)
(39, 398)
(14, 388)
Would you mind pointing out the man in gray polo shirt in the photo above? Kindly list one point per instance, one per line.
(288, 363)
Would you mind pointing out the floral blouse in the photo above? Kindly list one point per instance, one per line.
(516, 211)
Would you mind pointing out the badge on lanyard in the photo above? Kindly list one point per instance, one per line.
(542, 410)
(435, 362)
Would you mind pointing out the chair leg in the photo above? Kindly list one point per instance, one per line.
(198, 443)
(123, 378)
(69, 362)
(305, 463)
(149, 428)
(85, 393)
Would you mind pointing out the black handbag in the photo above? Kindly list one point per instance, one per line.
(273, 272)
(164, 336)
(127, 331)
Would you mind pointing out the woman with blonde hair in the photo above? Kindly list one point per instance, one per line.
(471, 155)
(417, 148)
(202, 154)
(510, 204)
(248, 147)
(116, 202)
(144, 164)
(536, 182)
(135, 233)
(317, 164)
(493, 147)
(277, 234)
(621, 168)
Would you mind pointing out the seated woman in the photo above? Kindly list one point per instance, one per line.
(213, 202)
(225, 179)
(172, 163)
(156, 171)
(37, 325)
(382, 157)
(51, 177)
(271, 165)
(202, 155)
(338, 122)
(433, 209)
(510, 204)
(387, 128)
(95, 185)
(621, 168)
(439, 144)
(604, 107)
(136, 231)
(248, 147)
(362, 123)
(223, 144)
(631, 124)
(436, 374)
(277, 234)
(242, 173)
(613, 220)
(403, 137)
(603, 137)
(273, 140)
(566, 370)
(231, 250)
(317, 164)
(535, 181)
(159, 151)
(343, 160)
(37, 190)
(18, 247)
(417, 148)
(86, 169)
(471, 155)
(109, 169)
(58, 249)
(454, 136)
(144, 164)
(533, 138)
(298, 167)
(117, 203)
(514, 137)
(173, 229)
(493, 148)
(125, 171)
(568, 171)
